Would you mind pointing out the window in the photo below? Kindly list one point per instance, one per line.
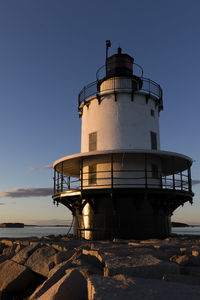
(154, 170)
(153, 140)
(152, 112)
(93, 141)
(93, 174)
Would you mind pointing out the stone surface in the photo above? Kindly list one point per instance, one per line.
(14, 278)
(8, 243)
(140, 266)
(122, 287)
(195, 252)
(42, 260)
(158, 267)
(23, 255)
(9, 251)
(72, 285)
(54, 276)
(185, 260)
(63, 256)
(19, 247)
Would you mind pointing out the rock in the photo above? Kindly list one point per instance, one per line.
(14, 278)
(156, 246)
(63, 256)
(140, 266)
(23, 255)
(42, 260)
(66, 245)
(184, 260)
(94, 253)
(8, 243)
(54, 276)
(73, 285)
(19, 247)
(2, 246)
(134, 244)
(195, 253)
(122, 287)
(59, 246)
(181, 278)
(89, 263)
(150, 241)
(191, 271)
(9, 251)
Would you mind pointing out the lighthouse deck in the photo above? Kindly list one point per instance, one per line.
(114, 170)
(125, 84)
(128, 179)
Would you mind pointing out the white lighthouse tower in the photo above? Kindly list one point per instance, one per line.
(121, 184)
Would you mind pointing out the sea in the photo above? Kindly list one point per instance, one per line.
(31, 231)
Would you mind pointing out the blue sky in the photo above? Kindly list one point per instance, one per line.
(50, 49)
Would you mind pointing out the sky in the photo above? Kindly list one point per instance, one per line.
(50, 49)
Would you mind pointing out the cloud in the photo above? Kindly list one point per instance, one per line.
(32, 169)
(27, 192)
(48, 166)
(195, 181)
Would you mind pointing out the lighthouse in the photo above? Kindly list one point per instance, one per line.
(121, 185)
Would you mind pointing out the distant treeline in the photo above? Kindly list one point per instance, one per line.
(12, 225)
(178, 224)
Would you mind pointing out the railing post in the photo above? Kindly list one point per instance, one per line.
(81, 174)
(161, 184)
(62, 177)
(145, 169)
(173, 175)
(181, 180)
(132, 92)
(173, 181)
(54, 178)
(111, 171)
(58, 182)
(189, 180)
(68, 182)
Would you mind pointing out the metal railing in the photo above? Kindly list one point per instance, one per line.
(149, 87)
(101, 72)
(111, 179)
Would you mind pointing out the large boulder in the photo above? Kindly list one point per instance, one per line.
(121, 287)
(61, 256)
(72, 285)
(14, 278)
(186, 260)
(8, 243)
(42, 260)
(54, 276)
(23, 255)
(140, 266)
(19, 247)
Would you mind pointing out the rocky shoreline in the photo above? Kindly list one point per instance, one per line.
(61, 267)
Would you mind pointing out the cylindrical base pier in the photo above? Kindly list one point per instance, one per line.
(123, 216)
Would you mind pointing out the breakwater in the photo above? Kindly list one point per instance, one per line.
(61, 267)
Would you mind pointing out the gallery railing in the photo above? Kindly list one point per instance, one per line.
(149, 87)
(112, 179)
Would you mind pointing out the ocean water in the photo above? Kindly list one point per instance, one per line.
(194, 230)
(33, 231)
(43, 231)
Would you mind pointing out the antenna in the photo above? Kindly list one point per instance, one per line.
(108, 44)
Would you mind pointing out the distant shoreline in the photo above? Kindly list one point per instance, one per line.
(21, 225)
(28, 225)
